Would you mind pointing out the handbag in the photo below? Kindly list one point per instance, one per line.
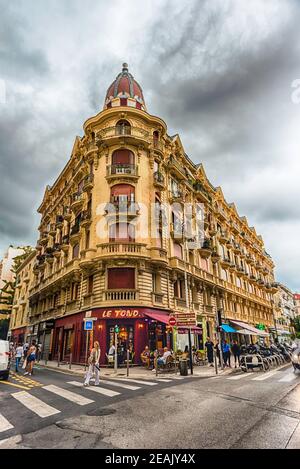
(24, 364)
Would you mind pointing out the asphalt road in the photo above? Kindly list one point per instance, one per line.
(252, 410)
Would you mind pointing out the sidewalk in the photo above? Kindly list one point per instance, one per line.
(137, 372)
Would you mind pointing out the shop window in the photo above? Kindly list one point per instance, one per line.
(121, 278)
(122, 232)
(76, 251)
(123, 128)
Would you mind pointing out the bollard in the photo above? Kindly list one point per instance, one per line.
(127, 362)
(58, 359)
(70, 363)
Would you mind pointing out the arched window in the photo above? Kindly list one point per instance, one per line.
(123, 128)
(155, 138)
(122, 193)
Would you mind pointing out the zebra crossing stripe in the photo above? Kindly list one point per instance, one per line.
(120, 385)
(34, 404)
(244, 375)
(129, 380)
(69, 395)
(98, 389)
(4, 424)
(265, 376)
(163, 380)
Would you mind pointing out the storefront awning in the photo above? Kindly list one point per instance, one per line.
(227, 328)
(244, 327)
(160, 317)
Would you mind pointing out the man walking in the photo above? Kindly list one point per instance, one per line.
(18, 355)
(226, 353)
(94, 359)
(209, 345)
(236, 350)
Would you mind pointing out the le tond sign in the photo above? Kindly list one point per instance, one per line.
(127, 313)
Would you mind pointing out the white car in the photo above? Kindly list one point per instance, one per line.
(4, 359)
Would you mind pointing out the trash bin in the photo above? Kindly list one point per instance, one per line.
(183, 367)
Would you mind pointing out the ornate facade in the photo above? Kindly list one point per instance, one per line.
(97, 252)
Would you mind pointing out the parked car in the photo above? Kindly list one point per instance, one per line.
(296, 358)
(5, 357)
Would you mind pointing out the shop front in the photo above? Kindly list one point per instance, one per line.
(137, 327)
(249, 333)
(18, 335)
(45, 338)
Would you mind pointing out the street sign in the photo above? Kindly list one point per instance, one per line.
(172, 321)
(88, 325)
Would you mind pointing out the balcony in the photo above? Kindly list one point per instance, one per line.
(176, 230)
(215, 257)
(222, 214)
(180, 303)
(75, 233)
(225, 262)
(176, 168)
(158, 146)
(159, 180)
(235, 228)
(121, 171)
(86, 218)
(223, 237)
(206, 249)
(121, 209)
(232, 267)
(59, 221)
(44, 238)
(65, 243)
(157, 298)
(52, 229)
(88, 183)
(236, 248)
(240, 271)
(119, 249)
(77, 201)
(201, 193)
(87, 259)
(120, 295)
(253, 279)
(158, 255)
(120, 133)
(175, 196)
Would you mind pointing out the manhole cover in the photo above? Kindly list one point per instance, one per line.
(100, 412)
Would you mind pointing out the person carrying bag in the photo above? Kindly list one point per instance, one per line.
(94, 367)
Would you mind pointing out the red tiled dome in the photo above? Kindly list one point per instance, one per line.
(125, 86)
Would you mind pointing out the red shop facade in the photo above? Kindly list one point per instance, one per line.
(138, 327)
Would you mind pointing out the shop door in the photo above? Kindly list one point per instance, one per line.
(46, 346)
(125, 340)
(68, 343)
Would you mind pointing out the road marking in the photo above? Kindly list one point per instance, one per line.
(129, 380)
(69, 395)
(244, 375)
(104, 391)
(35, 405)
(15, 385)
(287, 378)
(163, 380)
(4, 424)
(265, 376)
(120, 385)
(177, 377)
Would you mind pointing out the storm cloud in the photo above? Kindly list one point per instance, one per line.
(218, 72)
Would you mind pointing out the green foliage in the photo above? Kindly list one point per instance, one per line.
(296, 324)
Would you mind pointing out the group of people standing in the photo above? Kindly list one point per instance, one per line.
(27, 352)
(228, 349)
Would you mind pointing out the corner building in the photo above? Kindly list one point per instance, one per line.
(97, 254)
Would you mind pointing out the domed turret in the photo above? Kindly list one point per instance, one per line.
(125, 91)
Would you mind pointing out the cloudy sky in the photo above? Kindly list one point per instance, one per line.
(219, 72)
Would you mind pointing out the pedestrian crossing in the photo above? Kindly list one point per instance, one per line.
(287, 378)
(38, 406)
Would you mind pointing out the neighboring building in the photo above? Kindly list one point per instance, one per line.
(93, 261)
(18, 327)
(285, 312)
(7, 277)
(297, 303)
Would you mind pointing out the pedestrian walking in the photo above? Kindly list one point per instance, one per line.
(236, 350)
(18, 355)
(25, 349)
(226, 353)
(218, 352)
(209, 345)
(31, 357)
(94, 359)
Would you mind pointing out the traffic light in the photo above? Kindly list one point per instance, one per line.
(117, 329)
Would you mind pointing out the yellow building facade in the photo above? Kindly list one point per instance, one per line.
(133, 232)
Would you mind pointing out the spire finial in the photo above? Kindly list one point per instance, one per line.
(125, 67)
